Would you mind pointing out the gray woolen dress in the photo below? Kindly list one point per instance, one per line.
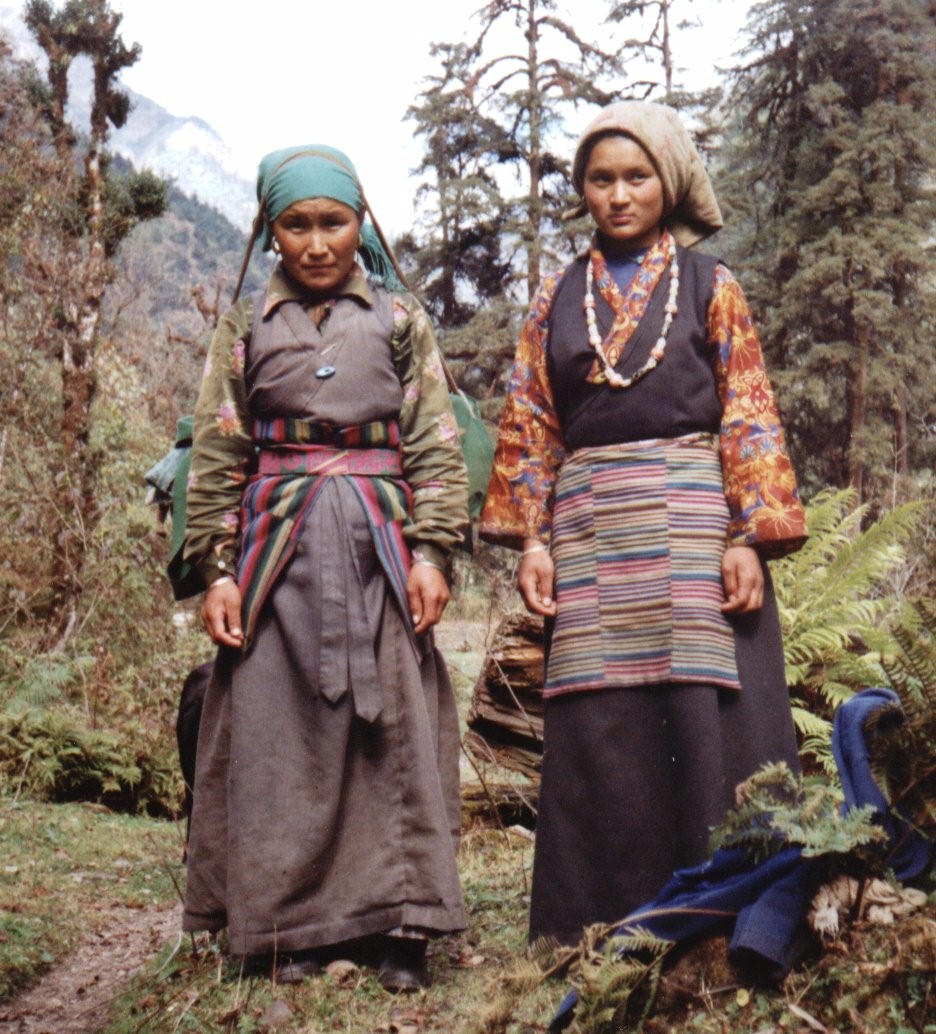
(312, 826)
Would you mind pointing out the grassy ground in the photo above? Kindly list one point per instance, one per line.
(204, 992)
(61, 866)
(71, 861)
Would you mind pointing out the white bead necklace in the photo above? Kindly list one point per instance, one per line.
(656, 353)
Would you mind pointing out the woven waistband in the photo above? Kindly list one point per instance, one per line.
(323, 461)
(591, 454)
(296, 431)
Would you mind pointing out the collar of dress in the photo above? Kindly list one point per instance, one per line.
(281, 289)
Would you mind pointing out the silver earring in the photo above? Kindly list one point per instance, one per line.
(276, 247)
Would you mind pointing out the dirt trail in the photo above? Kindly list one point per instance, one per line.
(74, 996)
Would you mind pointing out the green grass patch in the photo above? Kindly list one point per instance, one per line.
(62, 865)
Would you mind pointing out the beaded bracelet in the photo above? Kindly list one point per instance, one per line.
(540, 547)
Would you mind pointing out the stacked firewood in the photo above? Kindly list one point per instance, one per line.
(505, 720)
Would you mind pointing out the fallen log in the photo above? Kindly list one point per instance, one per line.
(512, 804)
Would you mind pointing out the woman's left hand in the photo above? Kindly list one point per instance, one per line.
(428, 593)
(743, 579)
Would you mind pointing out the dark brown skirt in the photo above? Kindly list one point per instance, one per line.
(310, 825)
(634, 778)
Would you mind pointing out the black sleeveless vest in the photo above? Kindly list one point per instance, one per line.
(678, 397)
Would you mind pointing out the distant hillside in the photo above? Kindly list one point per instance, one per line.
(186, 151)
(151, 306)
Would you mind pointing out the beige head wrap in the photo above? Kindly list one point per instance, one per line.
(690, 210)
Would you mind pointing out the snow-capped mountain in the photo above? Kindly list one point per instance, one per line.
(189, 152)
(186, 150)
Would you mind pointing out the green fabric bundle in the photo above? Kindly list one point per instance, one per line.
(477, 449)
(168, 480)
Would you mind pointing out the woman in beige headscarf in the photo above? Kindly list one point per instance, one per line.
(642, 472)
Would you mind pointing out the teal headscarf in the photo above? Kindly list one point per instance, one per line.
(294, 174)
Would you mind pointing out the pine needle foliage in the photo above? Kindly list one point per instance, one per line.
(776, 809)
(830, 155)
(835, 609)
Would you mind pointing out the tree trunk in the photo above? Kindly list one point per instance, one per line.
(858, 416)
(667, 48)
(534, 245)
(76, 495)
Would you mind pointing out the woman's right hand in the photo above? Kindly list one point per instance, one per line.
(536, 579)
(221, 613)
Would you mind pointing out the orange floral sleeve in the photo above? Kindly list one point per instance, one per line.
(530, 449)
(760, 485)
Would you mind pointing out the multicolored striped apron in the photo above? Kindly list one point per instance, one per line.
(638, 535)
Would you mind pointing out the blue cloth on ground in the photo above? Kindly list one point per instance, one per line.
(908, 853)
(768, 901)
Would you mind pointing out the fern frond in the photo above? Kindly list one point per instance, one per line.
(820, 747)
(777, 810)
(617, 986)
(840, 627)
(544, 949)
(810, 724)
(836, 693)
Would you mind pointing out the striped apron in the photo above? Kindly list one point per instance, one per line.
(639, 532)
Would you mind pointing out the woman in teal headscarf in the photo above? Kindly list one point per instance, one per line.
(327, 492)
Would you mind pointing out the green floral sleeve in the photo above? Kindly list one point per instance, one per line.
(222, 448)
(432, 459)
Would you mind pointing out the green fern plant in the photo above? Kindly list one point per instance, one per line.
(776, 809)
(834, 610)
(43, 680)
(903, 753)
(617, 979)
(544, 958)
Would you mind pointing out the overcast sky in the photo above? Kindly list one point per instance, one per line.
(281, 72)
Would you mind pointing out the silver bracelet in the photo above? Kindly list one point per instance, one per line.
(220, 581)
(540, 547)
(428, 563)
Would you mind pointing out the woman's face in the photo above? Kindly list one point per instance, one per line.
(317, 240)
(623, 193)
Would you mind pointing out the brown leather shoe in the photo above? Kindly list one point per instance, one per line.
(291, 968)
(296, 969)
(403, 967)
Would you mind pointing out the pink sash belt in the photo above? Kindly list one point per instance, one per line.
(323, 460)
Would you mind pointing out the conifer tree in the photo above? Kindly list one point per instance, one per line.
(830, 169)
(656, 47)
(519, 95)
(457, 264)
